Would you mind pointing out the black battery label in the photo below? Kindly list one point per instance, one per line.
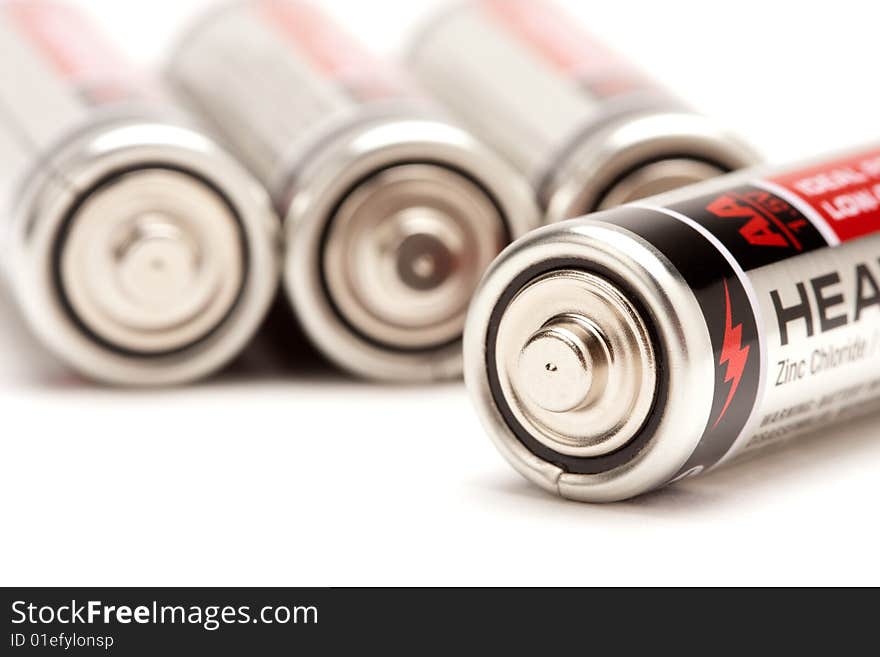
(757, 227)
(803, 343)
(731, 320)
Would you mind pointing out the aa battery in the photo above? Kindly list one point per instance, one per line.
(392, 212)
(138, 250)
(585, 127)
(611, 355)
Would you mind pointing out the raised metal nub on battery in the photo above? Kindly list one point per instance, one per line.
(657, 178)
(405, 251)
(564, 366)
(152, 261)
(576, 363)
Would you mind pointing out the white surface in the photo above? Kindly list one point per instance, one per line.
(313, 480)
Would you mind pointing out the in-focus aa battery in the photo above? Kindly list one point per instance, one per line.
(585, 127)
(612, 355)
(392, 212)
(138, 250)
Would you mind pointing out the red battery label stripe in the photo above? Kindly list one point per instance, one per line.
(332, 50)
(844, 194)
(73, 46)
(555, 36)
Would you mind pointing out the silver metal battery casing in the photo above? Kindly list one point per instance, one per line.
(583, 126)
(614, 354)
(138, 250)
(392, 212)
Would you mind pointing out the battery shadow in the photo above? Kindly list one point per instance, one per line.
(828, 452)
(800, 461)
(279, 352)
(674, 499)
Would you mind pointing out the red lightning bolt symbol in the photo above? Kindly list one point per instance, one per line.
(733, 353)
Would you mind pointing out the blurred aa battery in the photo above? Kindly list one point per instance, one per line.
(138, 250)
(392, 212)
(585, 127)
(612, 355)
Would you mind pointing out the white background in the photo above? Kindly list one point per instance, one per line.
(311, 479)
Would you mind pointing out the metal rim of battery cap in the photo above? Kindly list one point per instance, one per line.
(582, 355)
(639, 157)
(384, 256)
(176, 284)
